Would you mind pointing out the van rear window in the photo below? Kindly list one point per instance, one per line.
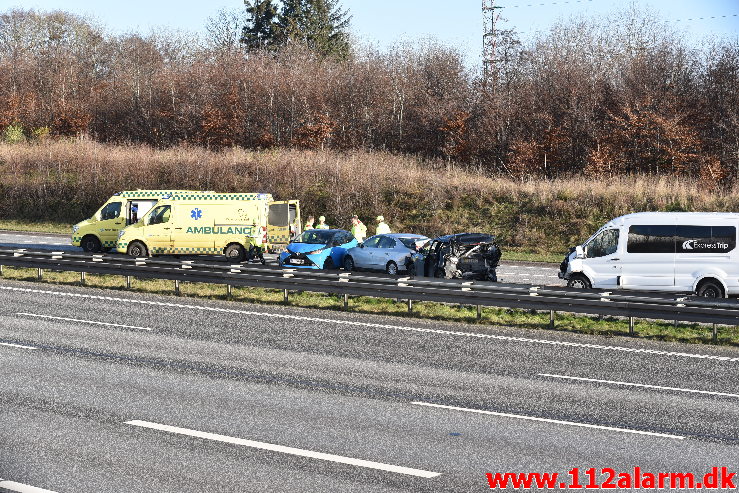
(705, 239)
(681, 239)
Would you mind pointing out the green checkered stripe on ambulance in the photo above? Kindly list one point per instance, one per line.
(279, 238)
(221, 196)
(190, 250)
(145, 193)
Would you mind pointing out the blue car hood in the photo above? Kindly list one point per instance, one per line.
(304, 247)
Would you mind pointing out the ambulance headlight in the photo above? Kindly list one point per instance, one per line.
(75, 228)
(120, 233)
(315, 252)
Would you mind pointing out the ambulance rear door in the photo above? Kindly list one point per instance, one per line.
(281, 222)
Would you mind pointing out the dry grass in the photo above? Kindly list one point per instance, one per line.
(65, 181)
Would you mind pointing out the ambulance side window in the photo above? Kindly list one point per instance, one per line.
(110, 211)
(159, 215)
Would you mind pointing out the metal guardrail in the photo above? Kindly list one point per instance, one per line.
(541, 298)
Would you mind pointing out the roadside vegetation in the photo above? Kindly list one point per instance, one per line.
(535, 219)
(491, 317)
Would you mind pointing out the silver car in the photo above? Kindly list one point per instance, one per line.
(389, 253)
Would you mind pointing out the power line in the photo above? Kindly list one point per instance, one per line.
(707, 17)
(563, 2)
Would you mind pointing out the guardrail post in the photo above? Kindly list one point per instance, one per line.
(40, 274)
(128, 282)
(285, 297)
(714, 337)
(551, 318)
(177, 287)
(1, 270)
(410, 306)
(479, 312)
(82, 278)
(229, 291)
(631, 326)
(346, 301)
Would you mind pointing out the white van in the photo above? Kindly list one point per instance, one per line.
(684, 252)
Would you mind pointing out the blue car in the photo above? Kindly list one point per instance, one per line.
(318, 249)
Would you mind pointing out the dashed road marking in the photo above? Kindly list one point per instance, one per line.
(641, 385)
(83, 321)
(21, 488)
(553, 421)
(19, 346)
(477, 335)
(286, 450)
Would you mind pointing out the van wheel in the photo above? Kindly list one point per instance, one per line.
(235, 253)
(579, 282)
(91, 244)
(710, 289)
(137, 249)
(391, 268)
(348, 263)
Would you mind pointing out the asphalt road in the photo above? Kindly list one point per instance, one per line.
(508, 272)
(106, 391)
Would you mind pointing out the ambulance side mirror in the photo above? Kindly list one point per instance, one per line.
(579, 252)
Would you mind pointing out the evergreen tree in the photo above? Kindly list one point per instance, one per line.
(320, 24)
(260, 30)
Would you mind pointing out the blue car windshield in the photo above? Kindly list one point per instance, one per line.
(315, 237)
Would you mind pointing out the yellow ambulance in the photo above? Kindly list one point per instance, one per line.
(240, 226)
(99, 233)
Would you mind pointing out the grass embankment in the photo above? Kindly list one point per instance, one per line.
(491, 317)
(66, 181)
(35, 227)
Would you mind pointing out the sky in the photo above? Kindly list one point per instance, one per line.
(383, 23)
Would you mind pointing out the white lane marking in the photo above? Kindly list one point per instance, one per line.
(642, 385)
(65, 319)
(22, 488)
(17, 345)
(555, 421)
(382, 326)
(285, 450)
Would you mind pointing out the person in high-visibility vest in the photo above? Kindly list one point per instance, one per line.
(322, 223)
(359, 230)
(382, 227)
(309, 223)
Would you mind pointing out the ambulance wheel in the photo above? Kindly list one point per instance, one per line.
(137, 249)
(328, 264)
(91, 244)
(235, 253)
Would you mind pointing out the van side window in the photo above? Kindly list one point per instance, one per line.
(606, 243)
(111, 211)
(651, 239)
(705, 239)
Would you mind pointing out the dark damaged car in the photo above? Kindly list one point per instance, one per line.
(461, 256)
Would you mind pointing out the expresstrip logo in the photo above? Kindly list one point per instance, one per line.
(698, 244)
